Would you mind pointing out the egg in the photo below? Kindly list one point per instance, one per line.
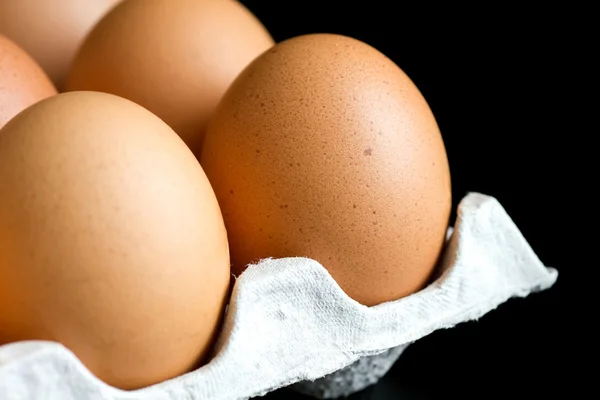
(111, 239)
(22, 81)
(175, 58)
(324, 148)
(51, 30)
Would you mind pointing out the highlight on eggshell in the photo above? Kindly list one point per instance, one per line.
(175, 58)
(111, 239)
(22, 81)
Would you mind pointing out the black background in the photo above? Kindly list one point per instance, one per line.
(492, 81)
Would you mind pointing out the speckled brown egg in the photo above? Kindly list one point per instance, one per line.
(22, 81)
(111, 239)
(175, 58)
(324, 148)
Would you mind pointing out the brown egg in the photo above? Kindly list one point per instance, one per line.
(22, 81)
(176, 58)
(324, 148)
(111, 239)
(51, 30)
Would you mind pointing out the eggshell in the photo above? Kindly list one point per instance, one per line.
(176, 58)
(51, 30)
(22, 81)
(111, 239)
(324, 148)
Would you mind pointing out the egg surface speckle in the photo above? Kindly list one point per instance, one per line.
(324, 148)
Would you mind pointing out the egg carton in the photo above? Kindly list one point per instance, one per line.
(289, 324)
(364, 372)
